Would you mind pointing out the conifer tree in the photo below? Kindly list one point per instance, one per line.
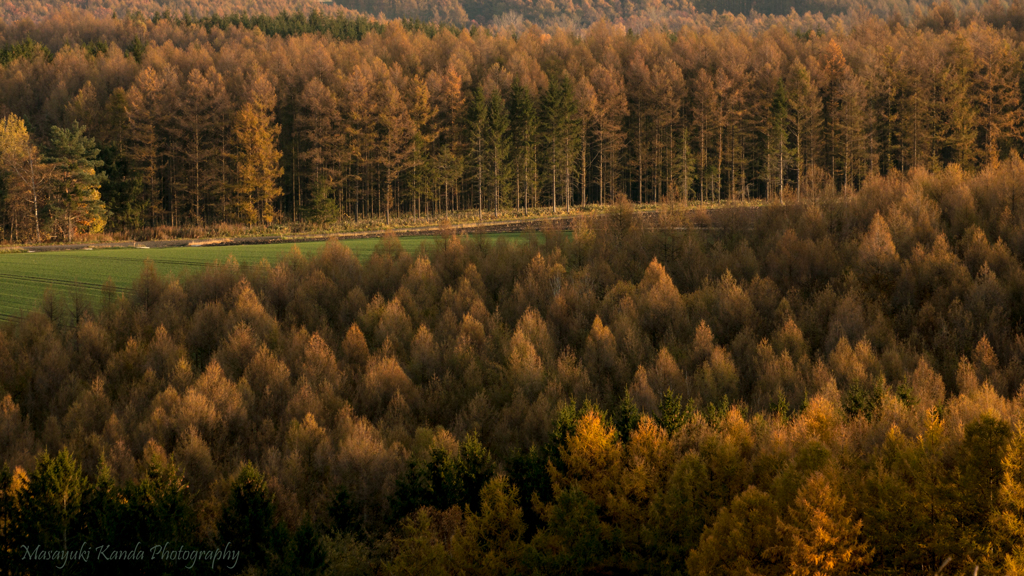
(492, 541)
(955, 108)
(148, 105)
(51, 506)
(11, 527)
(821, 534)
(248, 520)
(257, 158)
(396, 131)
(524, 120)
(738, 541)
(319, 124)
(24, 177)
(1008, 517)
(562, 137)
(77, 203)
(197, 134)
(777, 137)
(476, 119)
(498, 143)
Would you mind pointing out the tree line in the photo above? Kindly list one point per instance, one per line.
(636, 14)
(689, 391)
(312, 118)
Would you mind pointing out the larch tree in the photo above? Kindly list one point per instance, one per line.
(821, 536)
(425, 175)
(805, 119)
(740, 539)
(396, 132)
(608, 117)
(835, 74)
(257, 157)
(638, 129)
(706, 115)
(916, 117)
(450, 102)
(776, 138)
(357, 110)
(854, 131)
(25, 178)
(954, 106)
(196, 131)
(887, 92)
(997, 94)
(1008, 516)
(320, 126)
(147, 105)
(586, 100)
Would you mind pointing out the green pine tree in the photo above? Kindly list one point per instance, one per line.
(77, 206)
(524, 121)
(476, 121)
(249, 522)
(498, 145)
(562, 137)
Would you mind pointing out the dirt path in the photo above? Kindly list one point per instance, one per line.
(561, 221)
(531, 224)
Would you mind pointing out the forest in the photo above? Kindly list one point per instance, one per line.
(790, 343)
(501, 12)
(824, 387)
(125, 125)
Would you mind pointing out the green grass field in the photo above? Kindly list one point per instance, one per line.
(24, 277)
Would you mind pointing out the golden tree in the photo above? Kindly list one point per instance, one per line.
(23, 174)
(1008, 518)
(257, 158)
(821, 535)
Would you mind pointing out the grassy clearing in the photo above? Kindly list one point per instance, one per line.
(24, 277)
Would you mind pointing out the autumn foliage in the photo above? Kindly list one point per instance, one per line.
(321, 117)
(799, 389)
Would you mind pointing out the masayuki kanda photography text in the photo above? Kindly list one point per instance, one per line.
(166, 552)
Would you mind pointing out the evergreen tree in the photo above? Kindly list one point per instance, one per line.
(51, 505)
(524, 127)
(11, 526)
(562, 137)
(157, 507)
(492, 540)
(498, 143)
(627, 416)
(248, 521)
(476, 122)
(672, 412)
(76, 183)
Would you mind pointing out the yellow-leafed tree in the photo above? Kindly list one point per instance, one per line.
(821, 537)
(257, 158)
(24, 176)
